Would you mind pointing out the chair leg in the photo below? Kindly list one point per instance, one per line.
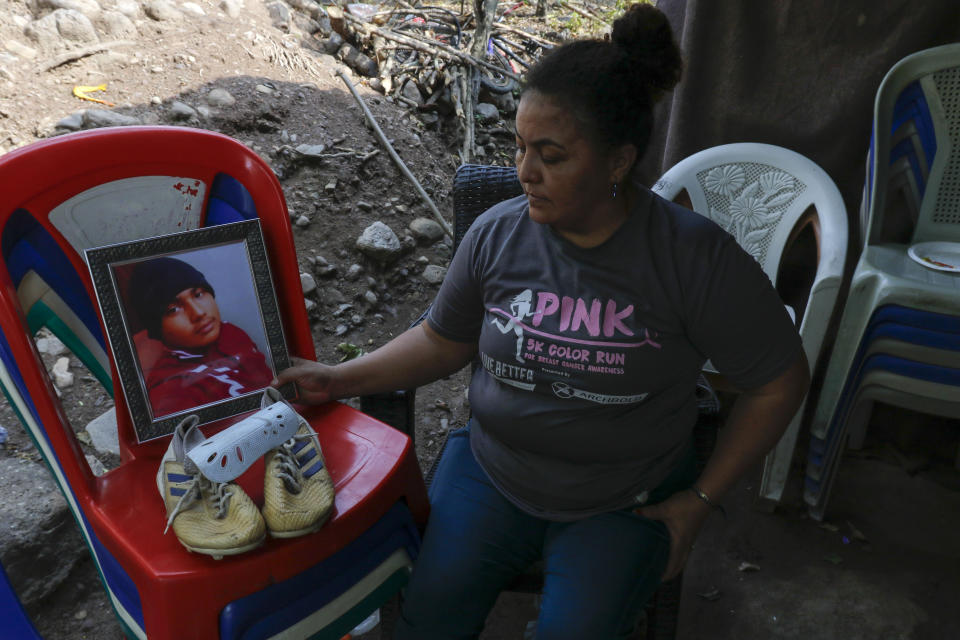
(859, 308)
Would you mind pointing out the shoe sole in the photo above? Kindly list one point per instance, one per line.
(218, 554)
(302, 532)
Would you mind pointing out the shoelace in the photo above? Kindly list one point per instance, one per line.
(216, 492)
(289, 471)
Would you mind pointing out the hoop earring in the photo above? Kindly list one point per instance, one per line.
(614, 193)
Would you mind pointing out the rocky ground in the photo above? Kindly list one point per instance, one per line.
(239, 68)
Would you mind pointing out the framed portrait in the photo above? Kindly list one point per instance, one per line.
(193, 323)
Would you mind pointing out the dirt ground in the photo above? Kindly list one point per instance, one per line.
(283, 97)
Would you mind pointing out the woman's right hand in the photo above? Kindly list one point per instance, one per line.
(314, 380)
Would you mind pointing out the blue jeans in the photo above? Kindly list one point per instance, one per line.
(598, 571)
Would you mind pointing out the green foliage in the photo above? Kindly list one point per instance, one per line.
(349, 351)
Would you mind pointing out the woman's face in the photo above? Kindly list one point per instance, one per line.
(191, 320)
(564, 175)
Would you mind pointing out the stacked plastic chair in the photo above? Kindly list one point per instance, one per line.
(767, 197)
(898, 341)
(114, 185)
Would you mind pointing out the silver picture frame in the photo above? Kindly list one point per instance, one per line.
(222, 251)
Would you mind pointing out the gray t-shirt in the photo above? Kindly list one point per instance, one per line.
(584, 400)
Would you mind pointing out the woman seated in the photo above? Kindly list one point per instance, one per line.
(593, 304)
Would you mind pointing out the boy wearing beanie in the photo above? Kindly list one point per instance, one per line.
(188, 355)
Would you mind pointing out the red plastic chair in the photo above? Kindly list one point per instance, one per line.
(110, 185)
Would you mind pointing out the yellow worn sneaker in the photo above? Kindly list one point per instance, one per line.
(297, 488)
(215, 518)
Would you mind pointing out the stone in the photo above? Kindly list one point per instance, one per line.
(39, 540)
(309, 304)
(379, 242)
(129, 8)
(487, 112)
(311, 150)
(93, 118)
(364, 206)
(62, 376)
(333, 296)
(220, 98)
(192, 9)
(307, 283)
(182, 111)
(411, 92)
(116, 26)
(95, 465)
(231, 7)
(89, 8)
(161, 10)
(60, 27)
(354, 272)
(370, 297)
(426, 230)
(20, 49)
(279, 15)
(51, 346)
(204, 111)
(342, 308)
(505, 102)
(103, 432)
(434, 274)
(302, 221)
(262, 88)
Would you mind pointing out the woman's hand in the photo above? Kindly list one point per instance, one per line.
(683, 513)
(314, 380)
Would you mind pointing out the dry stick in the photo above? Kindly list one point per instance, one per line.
(466, 94)
(393, 154)
(582, 12)
(525, 34)
(82, 52)
(433, 47)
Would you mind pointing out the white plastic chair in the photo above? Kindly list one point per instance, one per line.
(877, 386)
(766, 196)
(926, 84)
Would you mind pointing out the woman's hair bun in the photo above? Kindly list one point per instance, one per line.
(644, 34)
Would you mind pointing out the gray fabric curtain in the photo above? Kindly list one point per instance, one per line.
(801, 74)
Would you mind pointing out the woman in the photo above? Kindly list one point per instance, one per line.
(581, 455)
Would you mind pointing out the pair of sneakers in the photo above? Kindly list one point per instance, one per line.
(210, 514)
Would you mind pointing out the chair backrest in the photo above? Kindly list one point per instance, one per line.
(914, 159)
(106, 186)
(765, 196)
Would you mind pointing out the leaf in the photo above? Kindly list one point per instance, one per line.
(749, 191)
(856, 533)
(710, 595)
(755, 237)
(349, 351)
(782, 198)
